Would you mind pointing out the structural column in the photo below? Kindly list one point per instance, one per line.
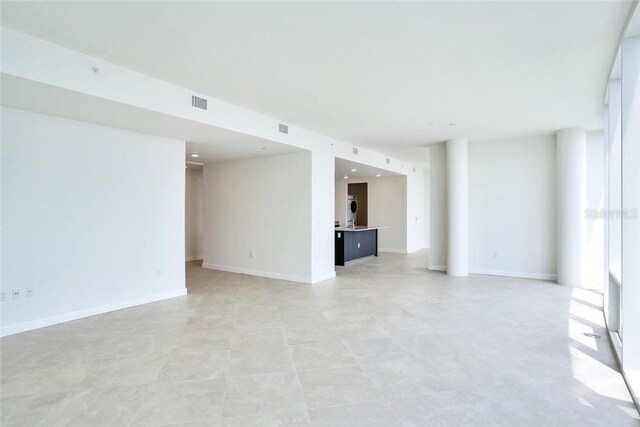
(458, 208)
(571, 203)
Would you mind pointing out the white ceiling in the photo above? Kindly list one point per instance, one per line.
(211, 143)
(343, 168)
(391, 76)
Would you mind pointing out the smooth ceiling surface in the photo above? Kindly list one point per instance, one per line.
(344, 168)
(390, 76)
(211, 143)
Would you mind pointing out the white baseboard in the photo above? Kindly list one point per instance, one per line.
(323, 277)
(259, 273)
(538, 276)
(358, 260)
(410, 251)
(393, 250)
(194, 258)
(79, 314)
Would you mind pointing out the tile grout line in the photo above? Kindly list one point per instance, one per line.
(142, 401)
(54, 408)
(228, 370)
(304, 399)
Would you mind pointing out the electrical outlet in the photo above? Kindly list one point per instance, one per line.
(30, 292)
(251, 254)
(2, 296)
(358, 244)
(158, 272)
(15, 294)
(495, 254)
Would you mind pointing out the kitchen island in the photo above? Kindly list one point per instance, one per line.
(353, 243)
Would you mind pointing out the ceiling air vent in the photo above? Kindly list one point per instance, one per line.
(283, 128)
(355, 150)
(388, 161)
(198, 102)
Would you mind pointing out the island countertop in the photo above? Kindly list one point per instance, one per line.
(361, 228)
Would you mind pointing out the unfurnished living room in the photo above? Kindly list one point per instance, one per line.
(171, 170)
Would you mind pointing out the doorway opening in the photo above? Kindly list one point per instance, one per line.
(194, 214)
(357, 204)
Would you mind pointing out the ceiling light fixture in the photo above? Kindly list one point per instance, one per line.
(194, 155)
(263, 148)
(452, 124)
(378, 175)
(346, 177)
(353, 170)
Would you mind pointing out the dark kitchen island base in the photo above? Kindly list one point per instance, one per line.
(353, 244)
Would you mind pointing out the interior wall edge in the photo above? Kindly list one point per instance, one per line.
(322, 278)
(517, 274)
(393, 250)
(88, 312)
(258, 273)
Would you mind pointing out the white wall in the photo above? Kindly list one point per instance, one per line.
(387, 197)
(512, 207)
(438, 207)
(193, 214)
(427, 209)
(93, 219)
(260, 205)
(55, 67)
(415, 210)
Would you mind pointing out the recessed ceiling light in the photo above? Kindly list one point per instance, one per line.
(345, 177)
(194, 155)
(378, 175)
(353, 170)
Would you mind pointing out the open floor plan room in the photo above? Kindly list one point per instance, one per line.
(278, 214)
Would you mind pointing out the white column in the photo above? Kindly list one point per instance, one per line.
(571, 203)
(457, 208)
(322, 213)
(438, 207)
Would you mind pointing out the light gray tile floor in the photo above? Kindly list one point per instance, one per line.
(386, 343)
